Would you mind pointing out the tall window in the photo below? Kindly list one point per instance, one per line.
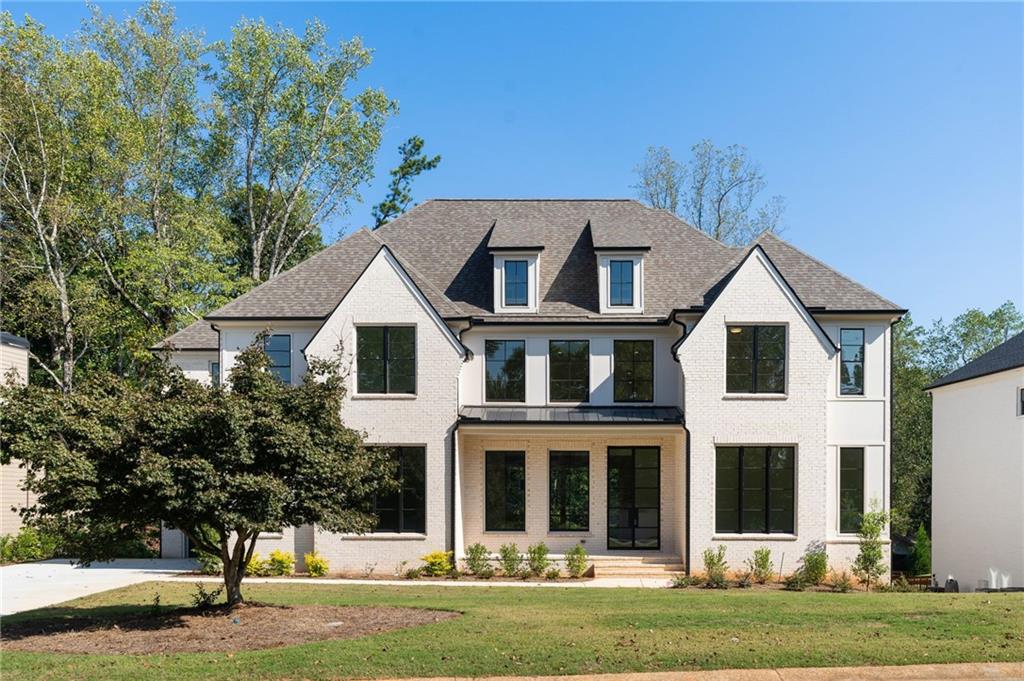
(755, 360)
(405, 509)
(851, 370)
(620, 277)
(754, 490)
(506, 370)
(279, 349)
(215, 374)
(569, 491)
(851, 488)
(386, 359)
(1020, 405)
(517, 281)
(634, 371)
(570, 370)
(505, 491)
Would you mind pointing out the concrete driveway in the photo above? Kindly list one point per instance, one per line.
(35, 585)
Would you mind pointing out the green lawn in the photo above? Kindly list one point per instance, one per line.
(566, 631)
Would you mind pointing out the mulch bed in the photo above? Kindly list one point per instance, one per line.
(189, 630)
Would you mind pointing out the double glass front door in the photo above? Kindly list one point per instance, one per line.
(634, 495)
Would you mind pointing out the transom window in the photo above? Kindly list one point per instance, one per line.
(851, 367)
(506, 370)
(279, 349)
(505, 491)
(569, 364)
(569, 491)
(634, 371)
(386, 359)
(405, 509)
(517, 283)
(755, 359)
(754, 490)
(851, 488)
(620, 278)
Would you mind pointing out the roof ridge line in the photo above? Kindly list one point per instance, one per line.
(404, 262)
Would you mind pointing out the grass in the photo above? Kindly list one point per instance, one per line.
(574, 631)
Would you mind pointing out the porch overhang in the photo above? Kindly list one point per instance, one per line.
(486, 417)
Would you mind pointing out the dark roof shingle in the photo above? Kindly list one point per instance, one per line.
(1008, 355)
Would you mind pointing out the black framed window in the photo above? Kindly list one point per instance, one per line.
(405, 509)
(569, 365)
(754, 490)
(851, 488)
(505, 491)
(1020, 404)
(569, 491)
(279, 349)
(215, 374)
(634, 371)
(517, 283)
(505, 362)
(386, 359)
(620, 278)
(851, 366)
(755, 359)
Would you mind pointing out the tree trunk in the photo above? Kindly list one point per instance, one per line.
(233, 585)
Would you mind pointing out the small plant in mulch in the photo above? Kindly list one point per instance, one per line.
(257, 567)
(814, 563)
(576, 561)
(760, 566)
(840, 582)
(796, 582)
(552, 573)
(486, 572)
(281, 563)
(685, 581)
(477, 558)
(744, 580)
(414, 573)
(205, 598)
(537, 560)
(715, 568)
(437, 563)
(510, 560)
(316, 565)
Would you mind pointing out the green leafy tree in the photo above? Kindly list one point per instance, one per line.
(414, 162)
(921, 557)
(220, 464)
(286, 124)
(869, 564)
(300, 230)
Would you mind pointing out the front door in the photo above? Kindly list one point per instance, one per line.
(634, 497)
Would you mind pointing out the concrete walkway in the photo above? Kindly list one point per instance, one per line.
(27, 586)
(598, 583)
(982, 671)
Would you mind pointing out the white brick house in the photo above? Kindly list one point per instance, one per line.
(591, 372)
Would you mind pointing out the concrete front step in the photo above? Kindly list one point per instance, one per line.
(662, 566)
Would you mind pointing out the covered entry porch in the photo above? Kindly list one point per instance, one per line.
(611, 479)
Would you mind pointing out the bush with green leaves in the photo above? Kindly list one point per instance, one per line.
(814, 563)
(745, 579)
(437, 563)
(477, 558)
(796, 582)
(486, 572)
(29, 544)
(316, 565)
(715, 568)
(552, 573)
(760, 566)
(206, 598)
(510, 560)
(684, 581)
(840, 582)
(257, 567)
(576, 561)
(869, 564)
(921, 556)
(209, 564)
(281, 563)
(414, 573)
(537, 560)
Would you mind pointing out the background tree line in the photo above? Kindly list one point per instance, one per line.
(148, 176)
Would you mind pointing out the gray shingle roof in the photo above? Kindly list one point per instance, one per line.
(582, 415)
(14, 341)
(198, 335)
(444, 245)
(1008, 355)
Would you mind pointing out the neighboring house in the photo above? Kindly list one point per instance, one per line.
(978, 471)
(583, 371)
(13, 366)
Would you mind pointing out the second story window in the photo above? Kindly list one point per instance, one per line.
(386, 359)
(215, 374)
(279, 349)
(634, 371)
(517, 283)
(620, 279)
(851, 366)
(506, 370)
(569, 364)
(755, 359)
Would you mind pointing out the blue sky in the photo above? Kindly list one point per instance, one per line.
(893, 130)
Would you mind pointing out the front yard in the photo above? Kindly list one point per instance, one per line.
(564, 631)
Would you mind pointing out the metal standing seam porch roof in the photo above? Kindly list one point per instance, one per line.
(516, 415)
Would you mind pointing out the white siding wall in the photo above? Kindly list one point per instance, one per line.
(978, 480)
(13, 364)
(195, 364)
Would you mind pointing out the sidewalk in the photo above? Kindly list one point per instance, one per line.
(979, 671)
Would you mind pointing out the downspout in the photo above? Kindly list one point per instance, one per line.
(686, 457)
(453, 461)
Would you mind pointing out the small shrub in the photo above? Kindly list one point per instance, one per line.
(486, 572)
(209, 564)
(795, 582)
(510, 559)
(205, 599)
(477, 558)
(438, 563)
(814, 563)
(316, 565)
(28, 545)
(537, 560)
(921, 556)
(257, 567)
(715, 568)
(414, 573)
(552, 573)
(576, 561)
(869, 564)
(840, 582)
(368, 570)
(898, 585)
(154, 606)
(745, 580)
(684, 581)
(454, 574)
(760, 566)
(281, 563)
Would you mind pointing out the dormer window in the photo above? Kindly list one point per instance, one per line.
(515, 282)
(620, 277)
(620, 274)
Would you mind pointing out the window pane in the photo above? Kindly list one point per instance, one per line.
(621, 282)
(516, 282)
(283, 374)
(569, 491)
(370, 359)
(634, 371)
(851, 368)
(401, 362)
(739, 359)
(277, 343)
(727, 493)
(506, 369)
(851, 488)
(781, 516)
(278, 349)
(404, 510)
(771, 342)
(505, 491)
(754, 497)
(570, 370)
